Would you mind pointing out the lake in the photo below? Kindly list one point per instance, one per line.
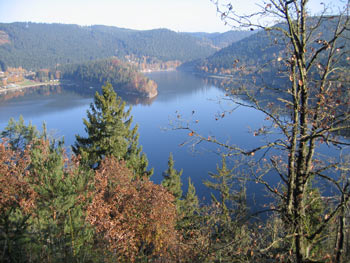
(181, 98)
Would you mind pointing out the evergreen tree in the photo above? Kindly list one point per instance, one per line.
(172, 182)
(227, 214)
(3, 66)
(187, 206)
(189, 216)
(232, 192)
(191, 203)
(223, 184)
(110, 134)
(44, 192)
(59, 219)
(19, 135)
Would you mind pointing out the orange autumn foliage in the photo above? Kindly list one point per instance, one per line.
(15, 192)
(134, 217)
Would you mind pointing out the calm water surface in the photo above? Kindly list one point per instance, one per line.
(181, 97)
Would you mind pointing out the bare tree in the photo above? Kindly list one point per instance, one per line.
(314, 113)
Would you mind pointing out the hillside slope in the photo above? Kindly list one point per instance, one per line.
(36, 45)
(265, 49)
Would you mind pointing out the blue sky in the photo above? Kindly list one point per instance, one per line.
(178, 15)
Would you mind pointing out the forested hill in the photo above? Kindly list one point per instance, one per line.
(265, 49)
(222, 40)
(36, 45)
(253, 50)
(124, 77)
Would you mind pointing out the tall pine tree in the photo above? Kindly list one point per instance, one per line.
(190, 212)
(172, 181)
(110, 134)
(190, 203)
(187, 206)
(231, 192)
(58, 223)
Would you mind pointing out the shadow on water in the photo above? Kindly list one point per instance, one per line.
(54, 98)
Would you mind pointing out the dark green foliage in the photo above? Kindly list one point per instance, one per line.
(231, 192)
(3, 66)
(228, 215)
(260, 50)
(221, 228)
(14, 237)
(18, 134)
(221, 185)
(189, 210)
(257, 49)
(35, 45)
(254, 50)
(191, 203)
(164, 44)
(187, 206)
(222, 40)
(110, 134)
(172, 181)
(135, 158)
(123, 76)
(59, 220)
(48, 221)
(109, 70)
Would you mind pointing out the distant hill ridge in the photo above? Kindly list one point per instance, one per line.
(39, 45)
(262, 49)
(222, 40)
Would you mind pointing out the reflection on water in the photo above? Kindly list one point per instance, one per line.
(28, 92)
(64, 90)
(64, 107)
(173, 85)
(176, 85)
(28, 101)
(193, 98)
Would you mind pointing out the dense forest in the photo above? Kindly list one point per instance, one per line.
(124, 77)
(262, 51)
(221, 40)
(35, 45)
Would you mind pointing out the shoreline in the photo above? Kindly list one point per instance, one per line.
(157, 70)
(72, 83)
(211, 75)
(17, 87)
